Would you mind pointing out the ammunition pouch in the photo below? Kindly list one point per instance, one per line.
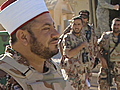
(85, 57)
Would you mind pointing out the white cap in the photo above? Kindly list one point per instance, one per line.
(19, 12)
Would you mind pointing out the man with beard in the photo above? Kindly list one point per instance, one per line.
(76, 56)
(34, 39)
(110, 57)
(88, 31)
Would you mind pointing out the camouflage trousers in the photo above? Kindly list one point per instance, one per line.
(80, 83)
(103, 80)
(79, 74)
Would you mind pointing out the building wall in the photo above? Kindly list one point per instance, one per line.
(61, 14)
(80, 5)
(57, 15)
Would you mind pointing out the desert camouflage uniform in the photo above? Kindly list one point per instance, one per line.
(102, 14)
(88, 31)
(108, 42)
(74, 67)
(22, 76)
(90, 35)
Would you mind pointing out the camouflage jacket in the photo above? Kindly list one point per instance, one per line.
(70, 41)
(75, 68)
(88, 31)
(107, 41)
(24, 77)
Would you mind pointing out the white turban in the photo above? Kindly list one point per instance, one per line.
(19, 12)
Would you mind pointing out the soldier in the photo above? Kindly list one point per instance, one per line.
(88, 31)
(84, 14)
(34, 41)
(110, 57)
(76, 57)
(102, 14)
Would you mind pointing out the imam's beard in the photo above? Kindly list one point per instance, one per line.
(40, 50)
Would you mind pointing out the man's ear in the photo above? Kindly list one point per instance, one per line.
(23, 36)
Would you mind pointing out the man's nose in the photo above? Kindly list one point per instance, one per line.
(55, 34)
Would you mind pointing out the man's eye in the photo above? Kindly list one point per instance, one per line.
(54, 27)
(46, 29)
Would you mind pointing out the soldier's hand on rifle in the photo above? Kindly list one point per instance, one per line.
(103, 60)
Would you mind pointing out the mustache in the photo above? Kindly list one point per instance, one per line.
(76, 28)
(116, 28)
(54, 39)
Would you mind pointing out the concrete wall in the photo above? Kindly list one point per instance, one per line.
(57, 15)
(81, 5)
(60, 14)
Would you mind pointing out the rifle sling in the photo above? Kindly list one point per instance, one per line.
(116, 44)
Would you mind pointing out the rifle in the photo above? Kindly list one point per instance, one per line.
(106, 55)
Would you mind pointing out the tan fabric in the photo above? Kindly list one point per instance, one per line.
(108, 42)
(29, 79)
(74, 67)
